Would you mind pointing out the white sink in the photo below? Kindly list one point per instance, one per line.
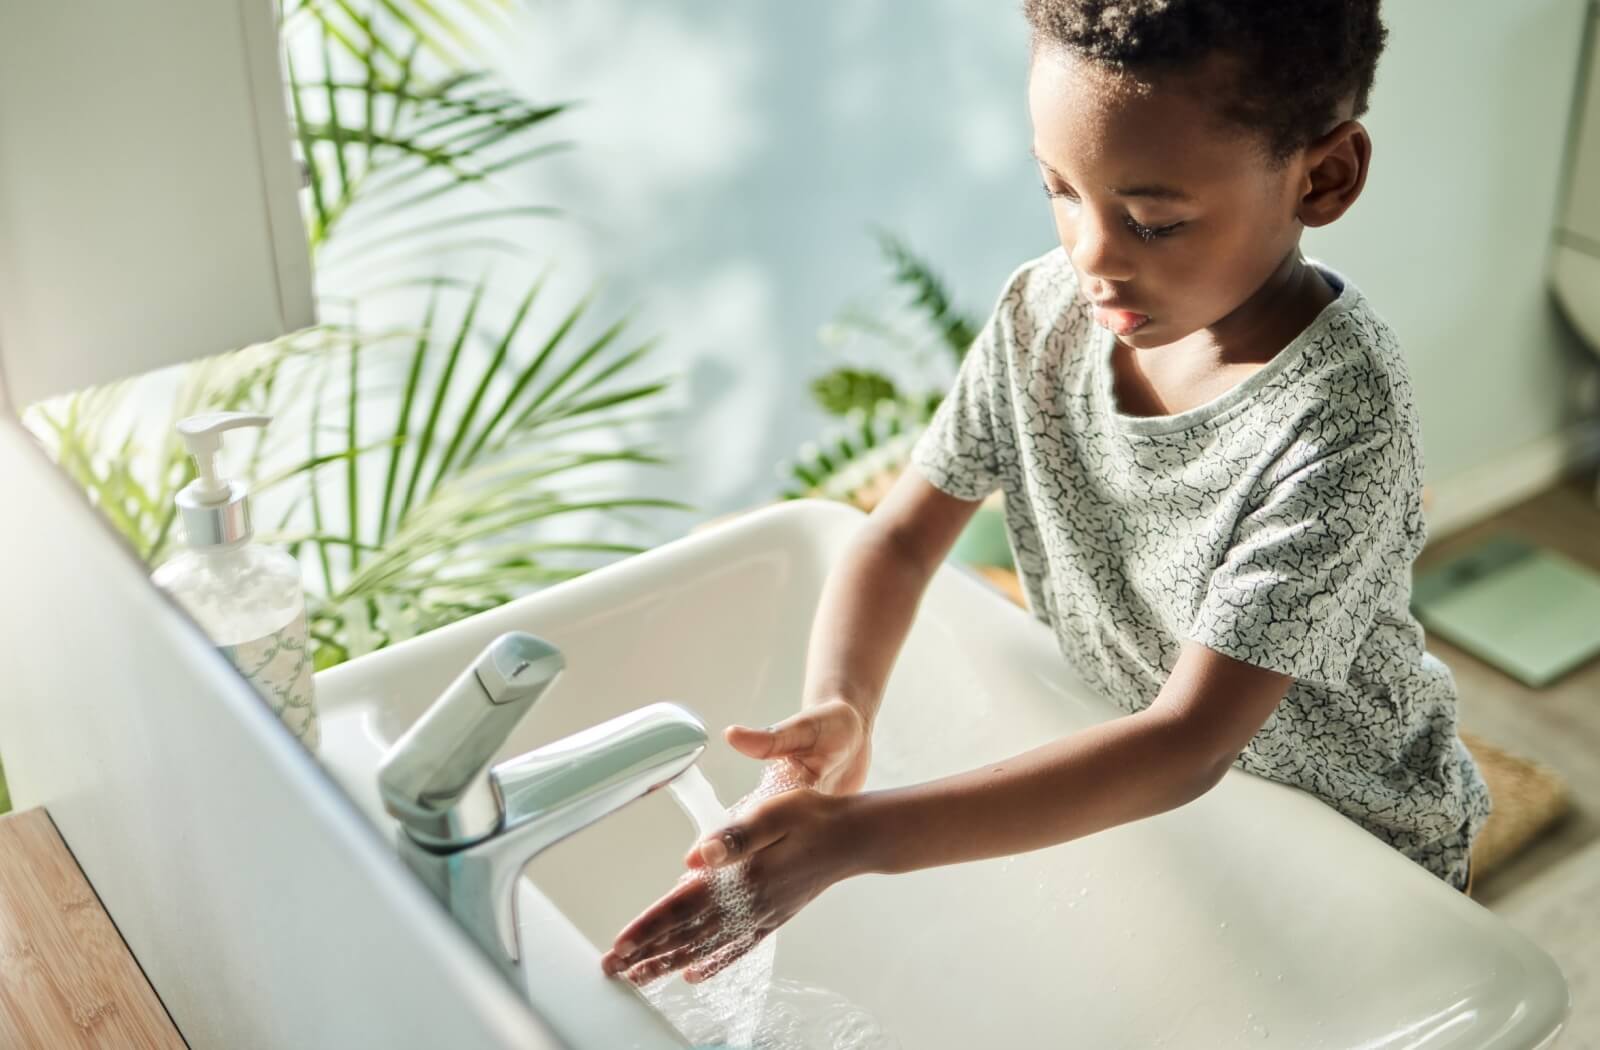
(1255, 916)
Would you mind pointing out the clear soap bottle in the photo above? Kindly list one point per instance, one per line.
(247, 597)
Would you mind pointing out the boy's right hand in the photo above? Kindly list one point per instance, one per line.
(830, 740)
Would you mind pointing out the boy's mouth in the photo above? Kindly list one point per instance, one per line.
(1121, 322)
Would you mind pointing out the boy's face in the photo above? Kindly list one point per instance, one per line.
(1223, 217)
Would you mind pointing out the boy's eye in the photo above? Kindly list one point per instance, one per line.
(1140, 230)
(1150, 233)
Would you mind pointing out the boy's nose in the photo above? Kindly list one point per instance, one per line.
(1095, 253)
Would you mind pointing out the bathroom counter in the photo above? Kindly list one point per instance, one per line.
(67, 980)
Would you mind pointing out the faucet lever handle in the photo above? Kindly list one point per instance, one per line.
(434, 779)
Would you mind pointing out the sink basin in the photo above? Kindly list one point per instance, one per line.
(1254, 915)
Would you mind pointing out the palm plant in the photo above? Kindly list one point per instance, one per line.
(382, 136)
(428, 525)
(415, 469)
(880, 419)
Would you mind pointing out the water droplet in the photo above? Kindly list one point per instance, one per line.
(1258, 974)
(1084, 892)
(1261, 1031)
(1222, 926)
(1280, 978)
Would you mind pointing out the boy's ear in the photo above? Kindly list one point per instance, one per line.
(1333, 171)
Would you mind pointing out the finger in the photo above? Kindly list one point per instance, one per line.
(706, 929)
(681, 906)
(750, 834)
(661, 965)
(720, 847)
(753, 743)
(643, 938)
(692, 931)
(698, 939)
(722, 958)
(798, 732)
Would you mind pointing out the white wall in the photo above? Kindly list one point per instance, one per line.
(730, 160)
(1450, 238)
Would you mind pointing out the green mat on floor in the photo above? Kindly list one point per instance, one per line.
(1527, 610)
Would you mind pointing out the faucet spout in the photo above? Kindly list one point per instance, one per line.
(552, 792)
(468, 830)
(564, 787)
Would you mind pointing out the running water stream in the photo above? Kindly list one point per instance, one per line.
(742, 1006)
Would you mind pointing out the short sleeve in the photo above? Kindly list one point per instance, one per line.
(1309, 567)
(960, 451)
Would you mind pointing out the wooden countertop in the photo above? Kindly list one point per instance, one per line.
(67, 980)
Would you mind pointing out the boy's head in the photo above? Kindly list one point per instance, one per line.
(1186, 143)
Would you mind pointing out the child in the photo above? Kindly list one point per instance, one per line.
(1212, 471)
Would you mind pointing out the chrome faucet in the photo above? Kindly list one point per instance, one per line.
(468, 828)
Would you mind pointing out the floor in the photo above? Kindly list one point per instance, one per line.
(1552, 891)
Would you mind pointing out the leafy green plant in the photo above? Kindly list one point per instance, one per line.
(444, 538)
(415, 469)
(880, 419)
(451, 36)
(413, 140)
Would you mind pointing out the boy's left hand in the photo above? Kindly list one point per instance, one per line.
(785, 851)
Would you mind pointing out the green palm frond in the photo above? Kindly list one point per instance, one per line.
(384, 137)
(451, 31)
(466, 458)
(929, 295)
(852, 455)
(884, 417)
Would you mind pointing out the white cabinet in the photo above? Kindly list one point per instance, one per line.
(148, 210)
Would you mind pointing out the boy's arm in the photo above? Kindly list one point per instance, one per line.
(871, 596)
(1120, 771)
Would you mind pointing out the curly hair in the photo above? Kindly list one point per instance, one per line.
(1296, 61)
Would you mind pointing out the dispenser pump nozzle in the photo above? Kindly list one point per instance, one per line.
(203, 435)
(216, 512)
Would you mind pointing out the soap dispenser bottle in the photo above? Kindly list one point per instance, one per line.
(246, 597)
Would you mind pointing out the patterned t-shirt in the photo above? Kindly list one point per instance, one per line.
(1276, 524)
